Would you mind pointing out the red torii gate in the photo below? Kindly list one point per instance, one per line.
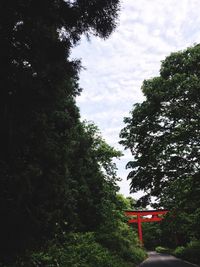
(156, 216)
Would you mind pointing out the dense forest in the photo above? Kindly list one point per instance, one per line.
(59, 203)
(59, 198)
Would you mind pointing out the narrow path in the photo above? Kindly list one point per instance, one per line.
(163, 260)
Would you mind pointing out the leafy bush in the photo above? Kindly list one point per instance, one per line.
(178, 252)
(114, 244)
(80, 250)
(160, 249)
(191, 252)
(122, 241)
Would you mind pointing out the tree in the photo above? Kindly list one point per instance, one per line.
(95, 178)
(163, 134)
(40, 126)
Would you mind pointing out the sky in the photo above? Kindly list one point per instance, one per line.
(114, 69)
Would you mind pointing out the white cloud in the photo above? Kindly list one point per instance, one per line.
(148, 31)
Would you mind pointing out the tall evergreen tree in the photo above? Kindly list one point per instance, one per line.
(40, 128)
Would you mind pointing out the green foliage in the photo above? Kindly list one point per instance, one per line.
(191, 252)
(122, 241)
(178, 252)
(57, 175)
(163, 135)
(163, 250)
(102, 152)
(95, 188)
(162, 132)
(48, 173)
(176, 229)
(114, 244)
(79, 250)
(117, 236)
(152, 235)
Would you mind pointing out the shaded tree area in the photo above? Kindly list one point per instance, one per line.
(57, 179)
(163, 134)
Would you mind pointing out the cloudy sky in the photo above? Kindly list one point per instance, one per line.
(148, 31)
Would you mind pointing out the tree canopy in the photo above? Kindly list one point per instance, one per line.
(49, 172)
(163, 134)
(58, 183)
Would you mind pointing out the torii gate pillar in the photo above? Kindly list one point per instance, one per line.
(138, 217)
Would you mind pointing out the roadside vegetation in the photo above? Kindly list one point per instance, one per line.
(112, 245)
(190, 252)
(59, 200)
